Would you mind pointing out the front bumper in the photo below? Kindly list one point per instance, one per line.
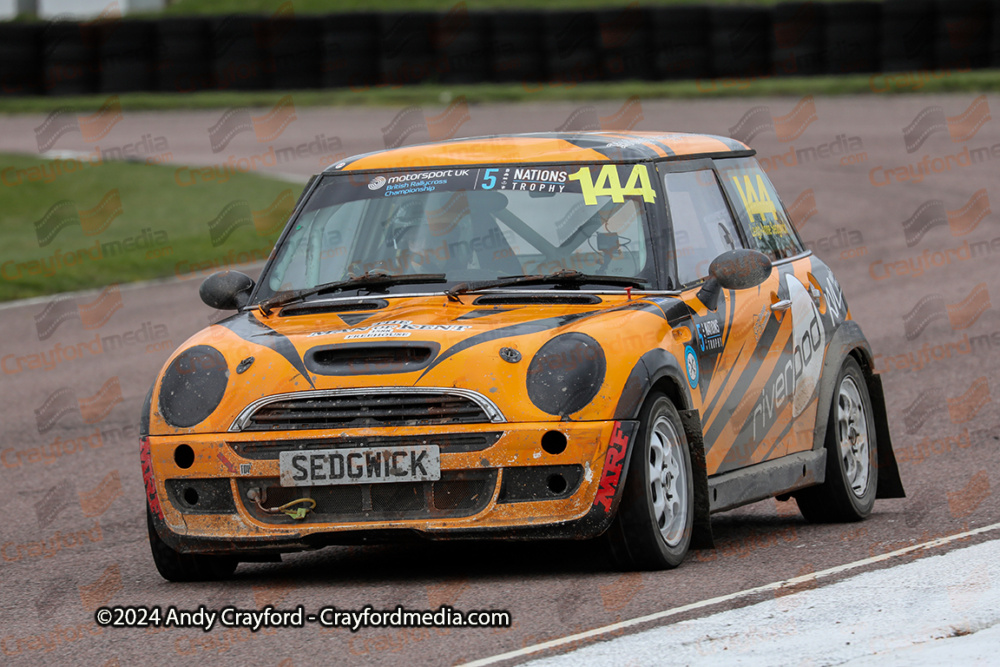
(497, 481)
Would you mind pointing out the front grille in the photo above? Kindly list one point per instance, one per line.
(447, 442)
(458, 493)
(364, 409)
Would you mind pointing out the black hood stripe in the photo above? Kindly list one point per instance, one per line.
(252, 330)
(522, 329)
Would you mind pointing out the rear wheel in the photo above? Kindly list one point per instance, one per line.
(652, 530)
(175, 566)
(848, 494)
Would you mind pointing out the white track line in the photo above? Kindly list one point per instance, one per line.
(787, 583)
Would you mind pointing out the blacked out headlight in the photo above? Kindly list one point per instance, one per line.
(566, 374)
(193, 386)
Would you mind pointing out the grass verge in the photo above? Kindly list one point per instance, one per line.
(70, 225)
(943, 81)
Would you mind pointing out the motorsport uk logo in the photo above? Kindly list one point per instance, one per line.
(412, 120)
(92, 128)
(265, 128)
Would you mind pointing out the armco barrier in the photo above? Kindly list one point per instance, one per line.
(358, 50)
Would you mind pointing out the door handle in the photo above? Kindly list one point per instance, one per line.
(781, 306)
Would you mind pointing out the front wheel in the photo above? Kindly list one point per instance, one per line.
(652, 529)
(178, 567)
(848, 494)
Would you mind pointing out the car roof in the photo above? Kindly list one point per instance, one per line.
(547, 148)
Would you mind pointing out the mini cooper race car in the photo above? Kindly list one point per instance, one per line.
(559, 335)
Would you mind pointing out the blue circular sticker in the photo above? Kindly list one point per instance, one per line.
(691, 362)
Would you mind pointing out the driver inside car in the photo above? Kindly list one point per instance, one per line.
(438, 235)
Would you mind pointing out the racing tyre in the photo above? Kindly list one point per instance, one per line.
(174, 566)
(848, 494)
(652, 530)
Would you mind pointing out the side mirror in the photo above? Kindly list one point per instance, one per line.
(734, 269)
(226, 290)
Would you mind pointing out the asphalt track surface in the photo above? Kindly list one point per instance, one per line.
(944, 420)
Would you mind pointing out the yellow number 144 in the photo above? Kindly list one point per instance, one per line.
(608, 184)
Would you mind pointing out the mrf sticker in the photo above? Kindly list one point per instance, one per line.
(614, 460)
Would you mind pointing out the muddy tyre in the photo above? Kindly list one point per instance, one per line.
(848, 494)
(652, 529)
(178, 567)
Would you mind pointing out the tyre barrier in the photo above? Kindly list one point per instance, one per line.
(680, 43)
(462, 44)
(127, 55)
(962, 33)
(357, 50)
(406, 54)
(741, 42)
(183, 55)
(69, 58)
(349, 51)
(517, 52)
(624, 43)
(851, 37)
(240, 57)
(797, 39)
(20, 66)
(908, 32)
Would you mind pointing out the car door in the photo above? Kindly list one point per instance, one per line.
(740, 349)
(785, 409)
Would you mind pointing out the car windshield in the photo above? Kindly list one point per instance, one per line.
(471, 224)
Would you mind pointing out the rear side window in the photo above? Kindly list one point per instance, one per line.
(758, 208)
(702, 224)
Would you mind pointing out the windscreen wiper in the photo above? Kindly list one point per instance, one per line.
(563, 277)
(368, 279)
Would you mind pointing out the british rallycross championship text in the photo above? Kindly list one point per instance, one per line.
(328, 617)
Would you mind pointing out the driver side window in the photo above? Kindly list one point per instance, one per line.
(703, 227)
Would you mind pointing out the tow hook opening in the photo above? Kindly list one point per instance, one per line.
(184, 456)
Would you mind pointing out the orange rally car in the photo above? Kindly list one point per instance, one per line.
(533, 336)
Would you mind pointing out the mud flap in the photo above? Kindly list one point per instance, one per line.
(890, 484)
(701, 536)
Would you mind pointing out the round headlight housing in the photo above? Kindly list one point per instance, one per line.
(566, 374)
(192, 386)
